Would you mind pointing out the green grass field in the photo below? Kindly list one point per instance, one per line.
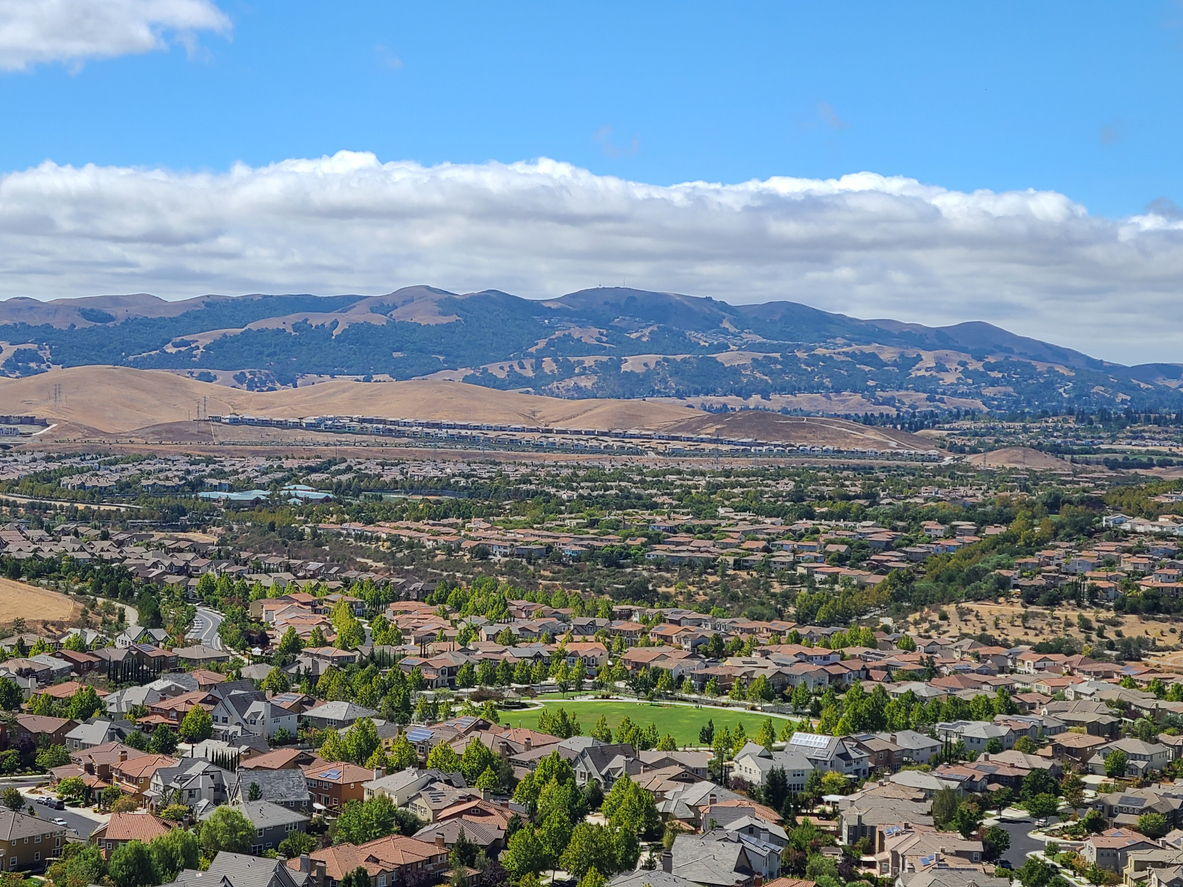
(682, 721)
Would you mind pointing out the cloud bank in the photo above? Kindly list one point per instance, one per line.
(74, 31)
(868, 245)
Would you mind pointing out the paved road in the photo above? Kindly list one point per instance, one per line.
(205, 628)
(81, 824)
(1021, 843)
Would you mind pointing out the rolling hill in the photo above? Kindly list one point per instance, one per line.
(114, 402)
(609, 342)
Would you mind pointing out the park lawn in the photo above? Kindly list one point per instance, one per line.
(682, 721)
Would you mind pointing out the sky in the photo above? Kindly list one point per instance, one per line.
(931, 162)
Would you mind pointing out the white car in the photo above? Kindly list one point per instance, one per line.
(60, 821)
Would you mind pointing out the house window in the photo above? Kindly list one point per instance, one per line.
(259, 833)
(37, 839)
(381, 881)
(36, 857)
(12, 862)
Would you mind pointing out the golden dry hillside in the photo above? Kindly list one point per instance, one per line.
(116, 400)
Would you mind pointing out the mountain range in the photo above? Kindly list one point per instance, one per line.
(605, 342)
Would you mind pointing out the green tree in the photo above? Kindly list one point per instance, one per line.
(776, 788)
(591, 847)
(13, 799)
(488, 780)
(477, 758)
(197, 725)
(290, 645)
(172, 813)
(11, 696)
(174, 851)
(1116, 764)
(1026, 745)
(84, 704)
(1072, 789)
(767, 733)
(79, 865)
(1042, 806)
(1153, 825)
(72, 789)
(164, 740)
(296, 844)
(443, 757)
(761, 690)
(944, 807)
(361, 740)
(601, 730)
(226, 829)
(524, 854)
(254, 792)
(402, 754)
(359, 877)
(995, 842)
(276, 681)
(628, 806)
(362, 821)
(131, 865)
(1039, 782)
(1035, 873)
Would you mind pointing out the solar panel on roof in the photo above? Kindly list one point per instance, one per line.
(418, 735)
(335, 773)
(810, 740)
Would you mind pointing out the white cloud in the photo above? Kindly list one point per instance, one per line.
(73, 31)
(868, 245)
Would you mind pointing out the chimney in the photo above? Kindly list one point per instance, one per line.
(529, 743)
(320, 875)
(667, 862)
(122, 756)
(759, 882)
(305, 863)
(379, 772)
(439, 840)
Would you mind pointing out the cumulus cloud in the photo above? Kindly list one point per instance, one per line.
(74, 31)
(869, 245)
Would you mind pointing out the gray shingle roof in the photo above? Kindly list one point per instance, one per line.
(264, 814)
(241, 870)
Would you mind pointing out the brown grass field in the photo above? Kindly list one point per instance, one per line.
(1006, 621)
(95, 401)
(37, 606)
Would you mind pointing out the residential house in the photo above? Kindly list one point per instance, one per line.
(1110, 850)
(335, 784)
(139, 825)
(389, 861)
(272, 822)
(27, 842)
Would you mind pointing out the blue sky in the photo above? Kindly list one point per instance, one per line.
(1081, 98)
(175, 101)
